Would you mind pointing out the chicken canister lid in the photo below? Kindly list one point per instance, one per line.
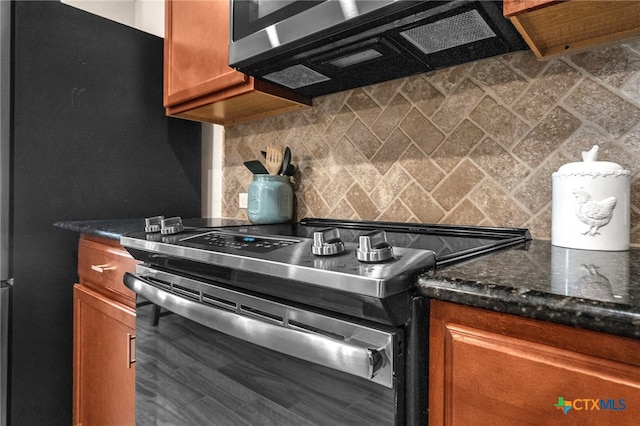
(590, 165)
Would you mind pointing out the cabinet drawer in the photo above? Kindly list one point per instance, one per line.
(104, 265)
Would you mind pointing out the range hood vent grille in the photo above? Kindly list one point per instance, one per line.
(296, 76)
(450, 32)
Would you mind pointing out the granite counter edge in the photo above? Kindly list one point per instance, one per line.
(110, 229)
(603, 317)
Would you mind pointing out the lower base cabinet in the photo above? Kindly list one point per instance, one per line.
(488, 368)
(103, 337)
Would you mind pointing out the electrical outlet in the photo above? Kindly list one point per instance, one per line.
(243, 200)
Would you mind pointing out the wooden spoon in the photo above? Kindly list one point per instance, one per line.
(273, 160)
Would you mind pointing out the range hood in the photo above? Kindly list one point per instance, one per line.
(319, 47)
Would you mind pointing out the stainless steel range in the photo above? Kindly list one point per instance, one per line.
(329, 306)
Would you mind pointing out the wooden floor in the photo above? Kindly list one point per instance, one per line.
(188, 374)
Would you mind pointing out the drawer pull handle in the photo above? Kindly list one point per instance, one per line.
(131, 350)
(102, 268)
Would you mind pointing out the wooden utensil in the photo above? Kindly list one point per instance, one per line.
(273, 160)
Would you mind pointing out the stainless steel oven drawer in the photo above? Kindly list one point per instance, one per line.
(341, 345)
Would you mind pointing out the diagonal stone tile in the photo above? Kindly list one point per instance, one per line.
(383, 93)
(499, 164)
(363, 172)
(500, 79)
(424, 96)
(421, 205)
(312, 174)
(396, 212)
(330, 104)
(391, 116)
(631, 89)
(503, 125)
(457, 184)
(315, 144)
(448, 79)
(464, 214)
(422, 168)
(389, 187)
(537, 190)
(333, 192)
(314, 202)
(300, 208)
(457, 105)
(421, 131)
(364, 106)
(540, 225)
(361, 203)
(615, 153)
(339, 156)
(606, 109)
(545, 92)
(316, 116)
(631, 143)
(390, 151)
(337, 144)
(244, 150)
(297, 131)
(526, 63)
(363, 139)
(614, 65)
(343, 210)
(339, 126)
(457, 145)
(496, 204)
(556, 127)
(582, 140)
(231, 156)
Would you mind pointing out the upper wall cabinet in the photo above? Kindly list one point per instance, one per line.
(553, 28)
(198, 82)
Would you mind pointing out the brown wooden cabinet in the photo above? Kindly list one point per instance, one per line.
(198, 82)
(552, 27)
(103, 336)
(488, 368)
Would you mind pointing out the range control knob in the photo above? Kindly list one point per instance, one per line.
(374, 248)
(153, 224)
(172, 225)
(327, 242)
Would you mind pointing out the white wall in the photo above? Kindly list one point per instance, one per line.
(145, 15)
(148, 16)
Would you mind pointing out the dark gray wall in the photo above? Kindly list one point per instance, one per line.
(90, 141)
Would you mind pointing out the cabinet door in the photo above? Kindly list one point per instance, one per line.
(553, 28)
(196, 51)
(198, 82)
(104, 351)
(496, 369)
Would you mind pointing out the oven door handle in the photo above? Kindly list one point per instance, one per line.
(366, 362)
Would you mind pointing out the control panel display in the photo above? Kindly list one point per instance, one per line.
(242, 242)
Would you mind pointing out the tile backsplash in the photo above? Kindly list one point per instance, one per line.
(472, 144)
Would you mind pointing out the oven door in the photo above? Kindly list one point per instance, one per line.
(216, 353)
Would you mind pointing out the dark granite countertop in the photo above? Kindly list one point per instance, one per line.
(115, 228)
(596, 290)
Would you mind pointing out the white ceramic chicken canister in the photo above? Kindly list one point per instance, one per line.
(591, 206)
